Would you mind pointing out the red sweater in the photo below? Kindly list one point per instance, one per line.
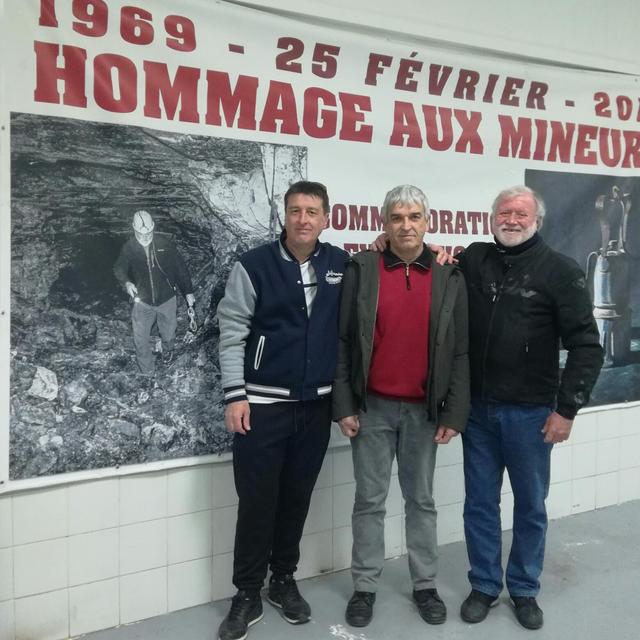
(400, 358)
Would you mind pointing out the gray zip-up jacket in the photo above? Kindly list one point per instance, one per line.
(447, 392)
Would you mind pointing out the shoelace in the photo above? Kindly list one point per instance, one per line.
(239, 606)
(290, 591)
(425, 595)
(364, 599)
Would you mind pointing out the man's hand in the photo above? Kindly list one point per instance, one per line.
(236, 417)
(191, 299)
(444, 435)
(131, 288)
(442, 257)
(380, 243)
(349, 426)
(556, 428)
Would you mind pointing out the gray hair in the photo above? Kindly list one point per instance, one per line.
(404, 194)
(514, 192)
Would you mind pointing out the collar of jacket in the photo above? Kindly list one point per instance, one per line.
(391, 260)
(511, 259)
(519, 248)
(284, 250)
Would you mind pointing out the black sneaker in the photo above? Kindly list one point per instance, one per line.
(528, 612)
(283, 593)
(360, 608)
(476, 607)
(246, 609)
(430, 606)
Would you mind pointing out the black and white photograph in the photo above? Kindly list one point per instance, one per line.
(595, 219)
(122, 238)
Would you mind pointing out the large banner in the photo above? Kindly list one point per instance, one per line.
(201, 114)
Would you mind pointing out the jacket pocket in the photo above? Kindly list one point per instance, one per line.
(259, 351)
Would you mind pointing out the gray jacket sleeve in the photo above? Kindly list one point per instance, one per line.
(455, 409)
(343, 398)
(235, 313)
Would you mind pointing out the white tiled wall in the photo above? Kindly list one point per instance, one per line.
(94, 506)
(93, 555)
(94, 605)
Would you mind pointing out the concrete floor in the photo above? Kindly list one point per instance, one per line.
(590, 591)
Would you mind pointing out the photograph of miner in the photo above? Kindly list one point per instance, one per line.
(595, 219)
(152, 271)
(113, 353)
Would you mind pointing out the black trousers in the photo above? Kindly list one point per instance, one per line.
(275, 467)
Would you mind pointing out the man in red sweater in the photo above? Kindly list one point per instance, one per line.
(401, 389)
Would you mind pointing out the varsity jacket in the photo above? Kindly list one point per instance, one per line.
(269, 345)
(157, 277)
(447, 389)
(521, 306)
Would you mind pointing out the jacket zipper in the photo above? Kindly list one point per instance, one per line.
(406, 275)
(495, 299)
(153, 290)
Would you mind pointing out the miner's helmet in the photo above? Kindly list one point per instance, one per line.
(143, 227)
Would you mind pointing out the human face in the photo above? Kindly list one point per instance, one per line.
(515, 220)
(406, 226)
(144, 238)
(304, 220)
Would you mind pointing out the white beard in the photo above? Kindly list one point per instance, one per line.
(513, 238)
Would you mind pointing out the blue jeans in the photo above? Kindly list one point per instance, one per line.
(500, 436)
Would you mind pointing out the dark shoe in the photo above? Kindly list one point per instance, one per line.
(528, 612)
(360, 609)
(283, 593)
(476, 607)
(246, 609)
(430, 606)
(167, 358)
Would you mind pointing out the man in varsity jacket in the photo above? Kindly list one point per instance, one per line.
(401, 389)
(278, 342)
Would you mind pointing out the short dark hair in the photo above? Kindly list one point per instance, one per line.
(309, 188)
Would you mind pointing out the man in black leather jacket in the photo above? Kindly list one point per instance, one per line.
(524, 300)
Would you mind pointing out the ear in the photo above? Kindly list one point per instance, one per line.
(326, 221)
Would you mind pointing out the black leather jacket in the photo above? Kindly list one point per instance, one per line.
(520, 308)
